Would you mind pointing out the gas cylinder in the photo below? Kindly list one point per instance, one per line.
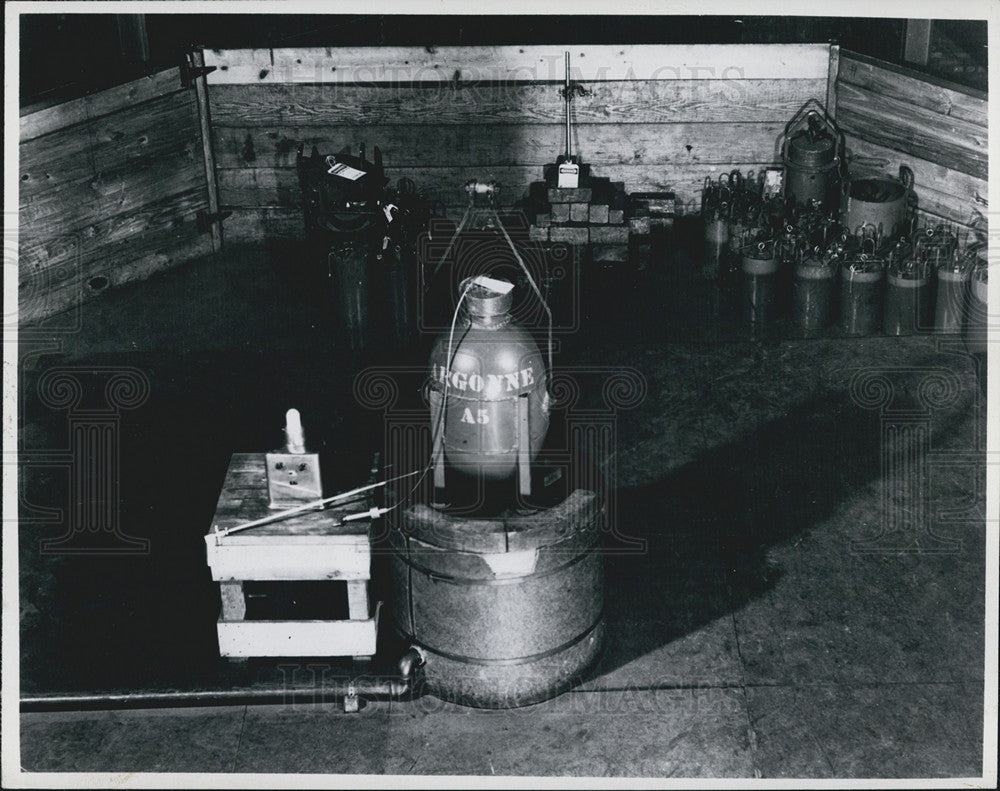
(489, 378)
(347, 270)
(977, 310)
(715, 198)
(760, 274)
(814, 292)
(937, 248)
(908, 305)
(716, 240)
(862, 282)
(812, 161)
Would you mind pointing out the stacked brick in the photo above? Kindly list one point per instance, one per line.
(600, 217)
(591, 216)
(646, 212)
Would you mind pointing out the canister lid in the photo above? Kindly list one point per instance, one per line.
(487, 297)
(811, 151)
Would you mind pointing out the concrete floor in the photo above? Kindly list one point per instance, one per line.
(773, 628)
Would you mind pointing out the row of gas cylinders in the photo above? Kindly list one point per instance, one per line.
(923, 283)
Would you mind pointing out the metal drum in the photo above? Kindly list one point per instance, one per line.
(813, 293)
(880, 202)
(938, 249)
(494, 381)
(506, 612)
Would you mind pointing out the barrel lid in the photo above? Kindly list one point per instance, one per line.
(811, 151)
(578, 513)
(487, 297)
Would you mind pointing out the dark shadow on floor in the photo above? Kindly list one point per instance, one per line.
(709, 525)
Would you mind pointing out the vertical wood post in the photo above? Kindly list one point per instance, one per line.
(197, 59)
(132, 38)
(234, 604)
(917, 41)
(831, 81)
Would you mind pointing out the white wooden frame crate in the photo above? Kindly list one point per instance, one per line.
(308, 546)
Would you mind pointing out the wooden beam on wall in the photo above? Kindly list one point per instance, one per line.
(617, 102)
(35, 123)
(924, 91)
(952, 142)
(513, 64)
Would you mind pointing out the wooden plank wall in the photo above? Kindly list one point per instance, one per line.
(110, 186)
(893, 116)
(655, 117)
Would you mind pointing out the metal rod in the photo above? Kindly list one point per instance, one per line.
(451, 242)
(568, 95)
(387, 687)
(315, 504)
(531, 280)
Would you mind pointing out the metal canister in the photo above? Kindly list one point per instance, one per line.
(486, 368)
(908, 305)
(729, 263)
(760, 274)
(347, 273)
(879, 201)
(861, 285)
(952, 285)
(936, 248)
(977, 310)
(716, 240)
(506, 612)
(401, 286)
(814, 292)
(811, 157)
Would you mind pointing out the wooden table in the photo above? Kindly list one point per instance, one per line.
(308, 546)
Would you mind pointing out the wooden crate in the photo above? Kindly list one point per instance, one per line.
(306, 547)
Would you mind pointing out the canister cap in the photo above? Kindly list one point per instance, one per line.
(811, 151)
(487, 297)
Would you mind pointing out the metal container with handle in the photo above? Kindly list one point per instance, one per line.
(812, 156)
(881, 201)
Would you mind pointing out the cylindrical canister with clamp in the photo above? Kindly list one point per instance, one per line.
(862, 281)
(977, 310)
(908, 304)
(760, 274)
(813, 157)
(814, 291)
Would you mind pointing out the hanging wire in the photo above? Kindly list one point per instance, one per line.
(449, 358)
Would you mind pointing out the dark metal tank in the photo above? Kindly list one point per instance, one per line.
(812, 162)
